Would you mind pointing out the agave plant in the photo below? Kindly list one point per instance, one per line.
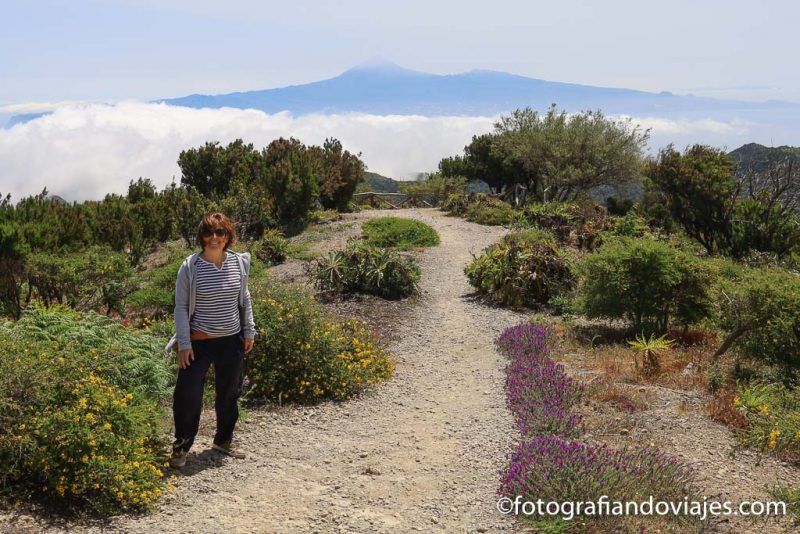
(330, 271)
(649, 350)
(375, 268)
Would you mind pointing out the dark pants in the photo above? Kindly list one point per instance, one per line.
(227, 355)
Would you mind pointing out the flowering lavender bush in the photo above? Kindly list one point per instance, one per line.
(550, 466)
(539, 392)
(524, 339)
(554, 469)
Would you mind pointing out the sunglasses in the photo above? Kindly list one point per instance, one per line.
(219, 232)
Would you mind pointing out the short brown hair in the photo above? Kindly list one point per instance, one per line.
(211, 220)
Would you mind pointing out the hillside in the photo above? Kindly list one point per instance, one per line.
(378, 183)
(758, 157)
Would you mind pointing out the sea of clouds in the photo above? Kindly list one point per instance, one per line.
(84, 151)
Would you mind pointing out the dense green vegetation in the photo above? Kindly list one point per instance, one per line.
(705, 257)
(399, 233)
(646, 282)
(75, 252)
(434, 189)
(712, 244)
(84, 395)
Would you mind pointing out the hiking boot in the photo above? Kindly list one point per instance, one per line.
(228, 450)
(178, 459)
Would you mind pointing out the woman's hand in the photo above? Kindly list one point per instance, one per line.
(248, 345)
(185, 358)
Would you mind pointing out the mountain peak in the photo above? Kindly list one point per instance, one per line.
(379, 65)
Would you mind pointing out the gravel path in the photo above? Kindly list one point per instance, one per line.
(421, 453)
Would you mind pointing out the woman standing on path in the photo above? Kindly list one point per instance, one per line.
(213, 324)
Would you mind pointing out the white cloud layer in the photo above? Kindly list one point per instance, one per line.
(84, 151)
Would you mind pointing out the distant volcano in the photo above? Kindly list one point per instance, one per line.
(382, 87)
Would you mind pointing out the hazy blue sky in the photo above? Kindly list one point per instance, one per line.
(55, 50)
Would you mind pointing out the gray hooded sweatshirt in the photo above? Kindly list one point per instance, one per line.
(185, 291)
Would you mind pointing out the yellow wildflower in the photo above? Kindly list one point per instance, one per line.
(773, 437)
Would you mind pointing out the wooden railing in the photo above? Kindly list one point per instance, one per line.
(384, 200)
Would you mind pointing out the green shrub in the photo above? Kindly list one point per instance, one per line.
(81, 411)
(93, 278)
(351, 207)
(456, 204)
(131, 360)
(631, 224)
(155, 296)
(490, 211)
(272, 248)
(399, 233)
(304, 355)
(249, 208)
(557, 217)
(645, 282)
(789, 495)
(525, 269)
(760, 310)
(619, 206)
(565, 305)
(764, 227)
(773, 417)
(364, 268)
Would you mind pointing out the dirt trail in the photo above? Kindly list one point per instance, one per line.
(421, 453)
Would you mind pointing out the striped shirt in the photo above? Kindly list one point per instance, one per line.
(216, 309)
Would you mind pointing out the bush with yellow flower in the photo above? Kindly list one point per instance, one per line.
(773, 416)
(305, 355)
(77, 425)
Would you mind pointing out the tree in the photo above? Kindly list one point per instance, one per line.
(484, 160)
(13, 258)
(48, 223)
(563, 156)
(705, 197)
(340, 174)
(764, 226)
(771, 174)
(435, 189)
(775, 181)
(701, 192)
(288, 172)
(212, 169)
(186, 207)
(760, 311)
(140, 190)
